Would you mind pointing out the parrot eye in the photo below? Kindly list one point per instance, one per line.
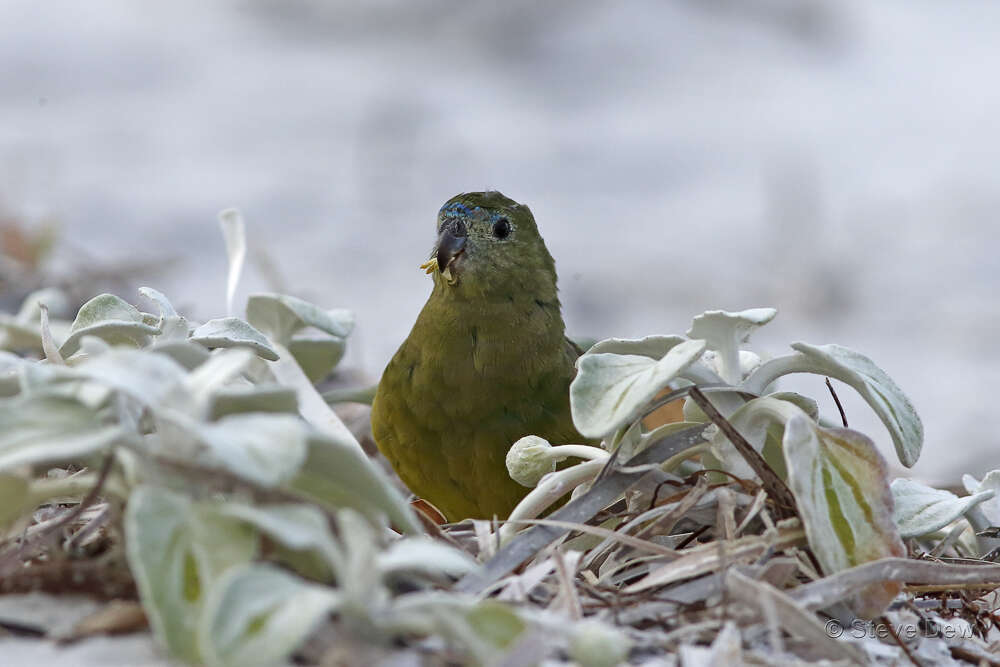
(501, 228)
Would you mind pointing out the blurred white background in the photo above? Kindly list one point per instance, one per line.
(835, 159)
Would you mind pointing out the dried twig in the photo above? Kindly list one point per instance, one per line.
(666, 523)
(836, 399)
(774, 485)
(846, 583)
(795, 619)
(580, 510)
(705, 558)
(888, 625)
(614, 535)
(12, 561)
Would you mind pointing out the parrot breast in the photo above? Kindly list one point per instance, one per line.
(470, 380)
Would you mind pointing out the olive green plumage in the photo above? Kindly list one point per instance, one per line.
(486, 363)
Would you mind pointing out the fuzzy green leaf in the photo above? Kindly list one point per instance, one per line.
(21, 332)
(296, 526)
(990, 482)
(272, 398)
(761, 421)
(177, 550)
(317, 356)
(51, 429)
(17, 335)
(724, 332)
(222, 368)
(55, 299)
(426, 556)
(654, 347)
(267, 449)
(152, 379)
(597, 644)
(258, 615)
(841, 485)
(610, 390)
(486, 629)
(338, 475)
(303, 530)
(854, 369)
(279, 316)
(111, 318)
(495, 623)
(189, 355)
(233, 332)
(922, 509)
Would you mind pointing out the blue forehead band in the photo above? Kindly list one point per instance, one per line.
(460, 210)
(457, 208)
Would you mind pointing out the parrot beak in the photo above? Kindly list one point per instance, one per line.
(451, 244)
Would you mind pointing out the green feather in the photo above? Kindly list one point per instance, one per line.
(486, 363)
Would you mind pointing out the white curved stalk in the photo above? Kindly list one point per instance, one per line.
(699, 373)
(312, 406)
(234, 232)
(773, 369)
(586, 452)
(551, 488)
(852, 368)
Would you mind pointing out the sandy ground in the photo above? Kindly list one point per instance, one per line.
(57, 616)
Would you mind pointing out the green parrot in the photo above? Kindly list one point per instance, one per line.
(486, 362)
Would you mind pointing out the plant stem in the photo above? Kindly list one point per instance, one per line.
(551, 488)
(312, 406)
(560, 452)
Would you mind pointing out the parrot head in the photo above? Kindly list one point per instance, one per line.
(489, 245)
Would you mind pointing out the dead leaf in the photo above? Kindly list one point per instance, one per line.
(117, 617)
